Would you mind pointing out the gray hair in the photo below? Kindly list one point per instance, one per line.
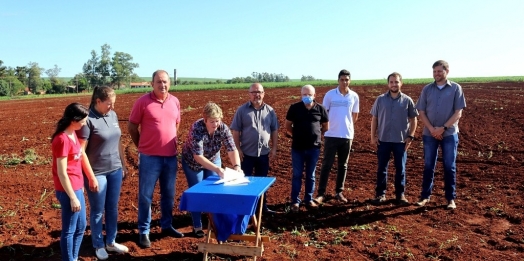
(308, 86)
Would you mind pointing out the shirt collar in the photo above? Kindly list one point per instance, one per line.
(154, 98)
(448, 83)
(97, 114)
(250, 104)
(388, 93)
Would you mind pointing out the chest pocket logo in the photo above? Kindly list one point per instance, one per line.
(78, 155)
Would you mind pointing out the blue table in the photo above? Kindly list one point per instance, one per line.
(229, 199)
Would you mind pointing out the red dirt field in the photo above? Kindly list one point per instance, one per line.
(487, 224)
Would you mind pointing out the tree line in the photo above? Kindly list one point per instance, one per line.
(100, 69)
(115, 71)
(260, 77)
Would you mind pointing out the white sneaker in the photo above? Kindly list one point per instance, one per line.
(451, 204)
(101, 253)
(120, 249)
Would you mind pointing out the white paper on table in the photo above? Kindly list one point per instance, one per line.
(237, 182)
(232, 177)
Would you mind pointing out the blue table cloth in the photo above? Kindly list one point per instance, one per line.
(231, 205)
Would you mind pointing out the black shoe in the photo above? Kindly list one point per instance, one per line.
(199, 233)
(170, 231)
(144, 241)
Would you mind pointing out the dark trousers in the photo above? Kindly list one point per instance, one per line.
(332, 147)
(384, 151)
(256, 166)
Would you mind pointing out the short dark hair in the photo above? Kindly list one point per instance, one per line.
(442, 63)
(395, 74)
(344, 72)
(159, 71)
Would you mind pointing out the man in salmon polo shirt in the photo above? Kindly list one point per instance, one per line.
(158, 115)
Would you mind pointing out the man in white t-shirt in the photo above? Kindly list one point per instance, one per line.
(342, 105)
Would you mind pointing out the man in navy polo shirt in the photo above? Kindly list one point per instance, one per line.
(393, 127)
(440, 106)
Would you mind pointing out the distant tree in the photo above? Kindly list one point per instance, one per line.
(47, 86)
(260, 77)
(10, 71)
(237, 80)
(10, 86)
(4, 88)
(307, 78)
(104, 67)
(90, 70)
(256, 76)
(80, 81)
(54, 85)
(33, 76)
(3, 69)
(21, 74)
(53, 72)
(249, 79)
(135, 78)
(61, 87)
(280, 78)
(122, 67)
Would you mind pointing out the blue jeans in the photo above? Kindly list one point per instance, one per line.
(258, 167)
(449, 145)
(384, 150)
(300, 159)
(105, 200)
(73, 225)
(193, 177)
(332, 146)
(151, 169)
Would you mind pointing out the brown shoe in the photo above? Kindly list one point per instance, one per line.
(319, 200)
(295, 207)
(340, 197)
(312, 204)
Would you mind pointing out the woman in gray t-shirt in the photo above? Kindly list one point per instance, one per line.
(100, 138)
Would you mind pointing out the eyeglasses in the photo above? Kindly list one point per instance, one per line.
(256, 92)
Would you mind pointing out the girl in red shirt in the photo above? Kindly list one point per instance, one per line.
(68, 162)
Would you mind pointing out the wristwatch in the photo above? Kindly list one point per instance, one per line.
(411, 137)
(445, 128)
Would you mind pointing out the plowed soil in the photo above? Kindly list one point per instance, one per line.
(487, 224)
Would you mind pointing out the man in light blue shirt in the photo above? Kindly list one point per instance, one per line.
(440, 106)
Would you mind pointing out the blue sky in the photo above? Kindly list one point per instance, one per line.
(225, 39)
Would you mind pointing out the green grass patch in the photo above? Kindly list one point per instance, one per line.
(293, 83)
